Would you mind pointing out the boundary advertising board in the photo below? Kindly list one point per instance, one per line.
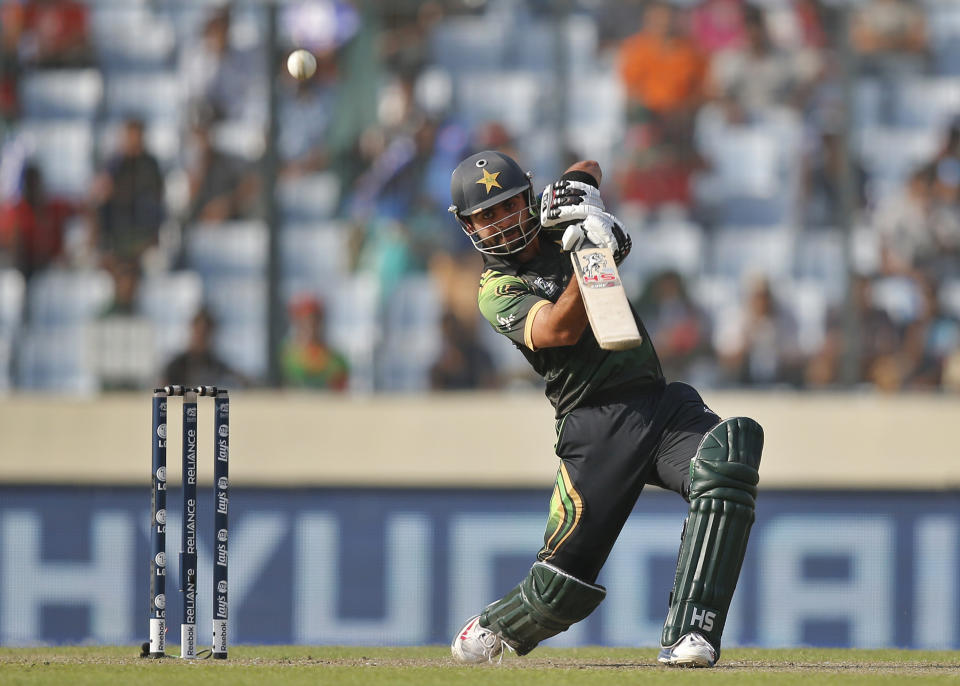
(407, 566)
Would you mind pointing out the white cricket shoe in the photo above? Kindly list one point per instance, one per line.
(693, 650)
(475, 644)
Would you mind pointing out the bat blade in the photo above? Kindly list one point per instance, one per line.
(605, 299)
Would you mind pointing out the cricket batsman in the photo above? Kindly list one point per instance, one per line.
(620, 425)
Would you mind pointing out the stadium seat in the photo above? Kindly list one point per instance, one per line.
(131, 36)
(946, 57)
(717, 295)
(738, 253)
(893, 153)
(150, 96)
(517, 104)
(596, 132)
(754, 211)
(899, 296)
(170, 296)
(819, 256)
(236, 300)
(581, 40)
(353, 308)
(598, 87)
(314, 255)
(68, 298)
(541, 155)
(305, 198)
(122, 351)
(6, 355)
(243, 347)
(674, 245)
(413, 304)
(744, 160)
(188, 20)
(53, 358)
(808, 304)
(170, 300)
(12, 292)
(865, 249)
(531, 48)
(753, 177)
(64, 152)
(464, 44)
(404, 364)
(599, 143)
(943, 25)
(247, 22)
(241, 138)
(949, 296)
(61, 93)
(52, 351)
(867, 98)
(353, 327)
(412, 335)
(927, 103)
(227, 249)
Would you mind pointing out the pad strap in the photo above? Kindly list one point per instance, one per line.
(547, 602)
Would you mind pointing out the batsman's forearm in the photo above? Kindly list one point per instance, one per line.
(587, 171)
(562, 322)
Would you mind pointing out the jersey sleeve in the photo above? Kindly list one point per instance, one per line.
(510, 305)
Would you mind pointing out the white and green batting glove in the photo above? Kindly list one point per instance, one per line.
(568, 201)
(602, 230)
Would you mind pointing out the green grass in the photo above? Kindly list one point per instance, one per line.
(433, 666)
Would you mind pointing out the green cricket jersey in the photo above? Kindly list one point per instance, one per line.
(510, 295)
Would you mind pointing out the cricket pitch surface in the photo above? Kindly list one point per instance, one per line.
(433, 666)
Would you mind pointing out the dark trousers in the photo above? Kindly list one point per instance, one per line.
(609, 452)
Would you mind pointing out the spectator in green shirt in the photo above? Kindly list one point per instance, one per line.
(308, 360)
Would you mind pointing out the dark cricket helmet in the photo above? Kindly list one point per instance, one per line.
(483, 180)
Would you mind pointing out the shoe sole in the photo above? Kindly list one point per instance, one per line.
(684, 662)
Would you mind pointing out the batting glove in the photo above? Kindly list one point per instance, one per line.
(602, 230)
(565, 201)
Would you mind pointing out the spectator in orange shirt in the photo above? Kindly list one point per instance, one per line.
(664, 74)
(660, 66)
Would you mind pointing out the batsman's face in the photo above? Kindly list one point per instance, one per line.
(504, 228)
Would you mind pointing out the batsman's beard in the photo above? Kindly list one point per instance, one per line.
(509, 235)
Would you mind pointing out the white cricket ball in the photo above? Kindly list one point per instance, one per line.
(301, 64)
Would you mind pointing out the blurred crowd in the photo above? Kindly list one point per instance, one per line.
(386, 118)
(694, 75)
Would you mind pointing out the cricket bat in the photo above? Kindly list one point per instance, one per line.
(605, 299)
(603, 294)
